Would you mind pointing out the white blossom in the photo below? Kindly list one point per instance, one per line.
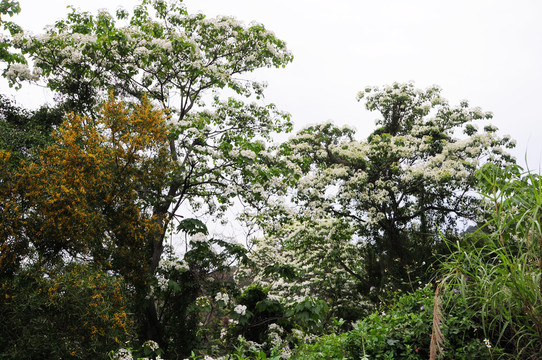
(240, 309)
(163, 283)
(276, 327)
(22, 72)
(172, 264)
(151, 345)
(162, 43)
(222, 297)
(123, 354)
(141, 51)
(198, 238)
(249, 154)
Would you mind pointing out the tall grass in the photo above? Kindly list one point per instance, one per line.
(498, 269)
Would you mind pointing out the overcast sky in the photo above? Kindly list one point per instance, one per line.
(486, 51)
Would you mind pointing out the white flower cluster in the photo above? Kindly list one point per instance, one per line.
(274, 339)
(276, 328)
(248, 154)
(151, 345)
(224, 297)
(21, 37)
(286, 352)
(172, 264)
(162, 43)
(83, 39)
(240, 309)
(141, 51)
(252, 345)
(123, 354)
(163, 283)
(17, 72)
(207, 357)
(198, 238)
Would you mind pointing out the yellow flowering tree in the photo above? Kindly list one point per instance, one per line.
(89, 197)
(80, 198)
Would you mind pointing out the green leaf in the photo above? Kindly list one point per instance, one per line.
(192, 226)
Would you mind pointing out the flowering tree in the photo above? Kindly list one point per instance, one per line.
(172, 56)
(197, 163)
(374, 208)
(78, 199)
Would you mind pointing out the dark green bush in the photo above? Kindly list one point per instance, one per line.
(263, 312)
(73, 311)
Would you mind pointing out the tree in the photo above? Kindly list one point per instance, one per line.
(9, 8)
(22, 134)
(412, 179)
(173, 56)
(120, 199)
(91, 196)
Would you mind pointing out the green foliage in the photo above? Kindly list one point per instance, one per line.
(113, 183)
(85, 55)
(23, 132)
(309, 314)
(346, 223)
(70, 311)
(243, 354)
(500, 280)
(403, 331)
(324, 348)
(9, 8)
(177, 308)
(192, 226)
(362, 218)
(184, 290)
(260, 313)
(78, 196)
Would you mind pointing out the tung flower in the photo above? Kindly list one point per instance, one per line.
(240, 309)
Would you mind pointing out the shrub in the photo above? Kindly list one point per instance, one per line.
(71, 311)
(403, 330)
(324, 348)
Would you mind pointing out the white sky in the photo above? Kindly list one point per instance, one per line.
(486, 51)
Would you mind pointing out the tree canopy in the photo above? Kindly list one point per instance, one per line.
(374, 210)
(157, 133)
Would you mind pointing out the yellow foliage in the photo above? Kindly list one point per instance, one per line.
(87, 193)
